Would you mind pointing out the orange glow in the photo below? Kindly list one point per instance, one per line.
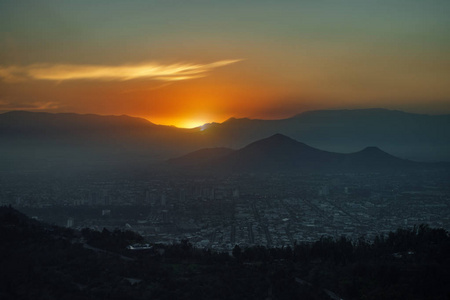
(182, 64)
(189, 123)
(244, 89)
(189, 118)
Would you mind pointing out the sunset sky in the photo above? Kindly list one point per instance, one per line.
(185, 63)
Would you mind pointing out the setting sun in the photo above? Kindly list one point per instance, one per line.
(190, 123)
(180, 123)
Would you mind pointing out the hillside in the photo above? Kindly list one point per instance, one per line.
(47, 262)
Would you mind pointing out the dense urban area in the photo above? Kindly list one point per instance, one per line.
(218, 213)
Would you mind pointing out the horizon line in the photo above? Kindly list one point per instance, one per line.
(228, 119)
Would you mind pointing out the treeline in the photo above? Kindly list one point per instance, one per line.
(39, 261)
(421, 242)
(409, 263)
(116, 240)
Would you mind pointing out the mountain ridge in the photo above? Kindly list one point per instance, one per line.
(279, 153)
(414, 136)
(94, 139)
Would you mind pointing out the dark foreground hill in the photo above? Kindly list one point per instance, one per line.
(281, 154)
(40, 261)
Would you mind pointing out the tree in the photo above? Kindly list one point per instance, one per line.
(237, 252)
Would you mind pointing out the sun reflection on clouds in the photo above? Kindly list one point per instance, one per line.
(155, 71)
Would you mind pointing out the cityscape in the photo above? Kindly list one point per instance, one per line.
(275, 210)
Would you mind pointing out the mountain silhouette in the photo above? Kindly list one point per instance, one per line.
(74, 140)
(279, 154)
(413, 136)
(68, 140)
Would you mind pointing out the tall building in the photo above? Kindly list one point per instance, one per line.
(236, 193)
(182, 195)
(147, 196)
(324, 191)
(70, 222)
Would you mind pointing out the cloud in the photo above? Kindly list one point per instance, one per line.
(155, 71)
(38, 105)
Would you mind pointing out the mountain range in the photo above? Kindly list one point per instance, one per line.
(413, 136)
(72, 140)
(282, 154)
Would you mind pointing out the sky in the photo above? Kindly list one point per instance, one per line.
(185, 63)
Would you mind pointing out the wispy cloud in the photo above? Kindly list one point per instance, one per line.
(155, 71)
(38, 105)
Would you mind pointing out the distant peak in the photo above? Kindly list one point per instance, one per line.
(276, 139)
(350, 111)
(233, 120)
(279, 136)
(372, 149)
